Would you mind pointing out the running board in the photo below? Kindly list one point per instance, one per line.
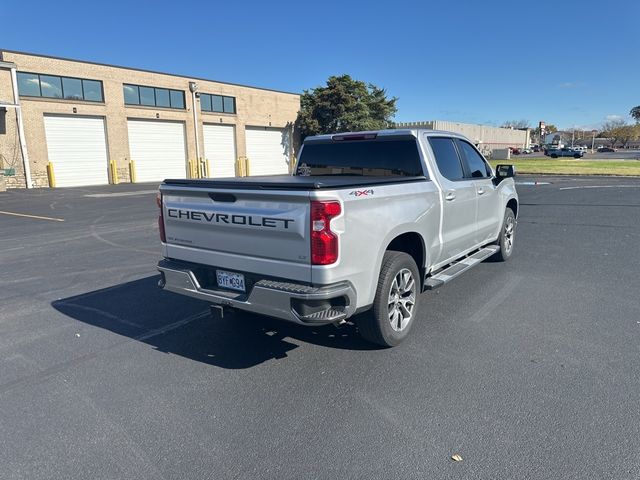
(459, 267)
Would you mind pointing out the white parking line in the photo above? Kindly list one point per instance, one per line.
(600, 186)
(121, 194)
(37, 217)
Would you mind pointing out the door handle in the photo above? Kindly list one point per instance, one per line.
(450, 196)
(480, 191)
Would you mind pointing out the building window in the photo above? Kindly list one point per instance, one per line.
(153, 97)
(131, 95)
(72, 88)
(217, 103)
(54, 86)
(92, 90)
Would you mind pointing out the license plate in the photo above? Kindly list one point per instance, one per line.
(234, 281)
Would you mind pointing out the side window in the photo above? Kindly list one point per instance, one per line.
(447, 157)
(476, 166)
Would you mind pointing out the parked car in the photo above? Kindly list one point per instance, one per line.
(565, 152)
(526, 151)
(606, 150)
(515, 151)
(368, 221)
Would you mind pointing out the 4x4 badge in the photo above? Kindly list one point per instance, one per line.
(361, 193)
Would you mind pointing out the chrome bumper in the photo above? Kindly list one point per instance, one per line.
(267, 297)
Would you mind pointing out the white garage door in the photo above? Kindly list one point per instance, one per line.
(267, 150)
(77, 149)
(220, 149)
(158, 149)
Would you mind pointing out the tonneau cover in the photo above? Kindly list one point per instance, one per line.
(288, 182)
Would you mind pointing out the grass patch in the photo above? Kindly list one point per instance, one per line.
(573, 166)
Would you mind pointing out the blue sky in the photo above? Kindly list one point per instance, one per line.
(470, 61)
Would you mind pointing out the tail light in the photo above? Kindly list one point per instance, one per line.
(163, 236)
(324, 243)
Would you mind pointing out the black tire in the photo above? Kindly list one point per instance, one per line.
(506, 238)
(376, 325)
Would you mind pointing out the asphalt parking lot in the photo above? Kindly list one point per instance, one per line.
(529, 369)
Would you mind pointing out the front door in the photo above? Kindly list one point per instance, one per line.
(488, 213)
(458, 199)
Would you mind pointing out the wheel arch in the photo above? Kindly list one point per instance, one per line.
(411, 243)
(513, 205)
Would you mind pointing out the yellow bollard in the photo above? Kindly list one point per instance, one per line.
(206, 168)
(51, 175)
(132, 171)
(247, 169)
(114, 172)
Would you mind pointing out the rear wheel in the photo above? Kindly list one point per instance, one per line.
(507, 237)
(396, 302)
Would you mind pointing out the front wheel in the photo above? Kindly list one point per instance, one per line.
(507, 237)
(396, 302)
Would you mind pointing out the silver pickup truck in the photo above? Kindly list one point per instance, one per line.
(367, 222)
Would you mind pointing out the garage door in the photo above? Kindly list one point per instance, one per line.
(158, 148)
(77, 149)
(268, 150)
(220, 149)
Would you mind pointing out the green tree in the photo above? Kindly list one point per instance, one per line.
(344, 105)
(635, 113)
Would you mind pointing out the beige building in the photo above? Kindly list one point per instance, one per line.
(487, 138)
(82, 123)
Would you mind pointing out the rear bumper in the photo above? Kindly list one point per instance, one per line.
(298, 303)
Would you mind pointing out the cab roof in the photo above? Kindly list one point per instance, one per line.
(379, 134)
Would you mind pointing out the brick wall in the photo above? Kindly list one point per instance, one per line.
(255, 107)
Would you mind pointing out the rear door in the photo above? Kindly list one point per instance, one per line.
(250, 230)
(488, 212)
(458, 199)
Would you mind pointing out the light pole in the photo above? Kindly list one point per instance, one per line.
(593, 139)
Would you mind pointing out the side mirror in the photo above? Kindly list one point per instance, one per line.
(504, 171)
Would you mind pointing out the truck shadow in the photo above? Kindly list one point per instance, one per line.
(183, 326)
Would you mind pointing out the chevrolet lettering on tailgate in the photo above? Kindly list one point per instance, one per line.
(225, 218)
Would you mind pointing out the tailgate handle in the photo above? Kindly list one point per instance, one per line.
(222, 197)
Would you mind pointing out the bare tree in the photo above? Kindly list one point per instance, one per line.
(516, 124)
(615, 130)
(628, 133)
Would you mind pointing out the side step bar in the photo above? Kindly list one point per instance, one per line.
(459, 267)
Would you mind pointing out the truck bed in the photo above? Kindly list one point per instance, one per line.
(288, 182)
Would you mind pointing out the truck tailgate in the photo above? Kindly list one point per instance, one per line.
(251, 230)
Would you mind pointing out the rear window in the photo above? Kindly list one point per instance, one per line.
(383, 158)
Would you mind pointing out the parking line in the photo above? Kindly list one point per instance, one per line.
(38, 217)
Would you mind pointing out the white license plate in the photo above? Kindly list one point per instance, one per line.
(234, 281)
